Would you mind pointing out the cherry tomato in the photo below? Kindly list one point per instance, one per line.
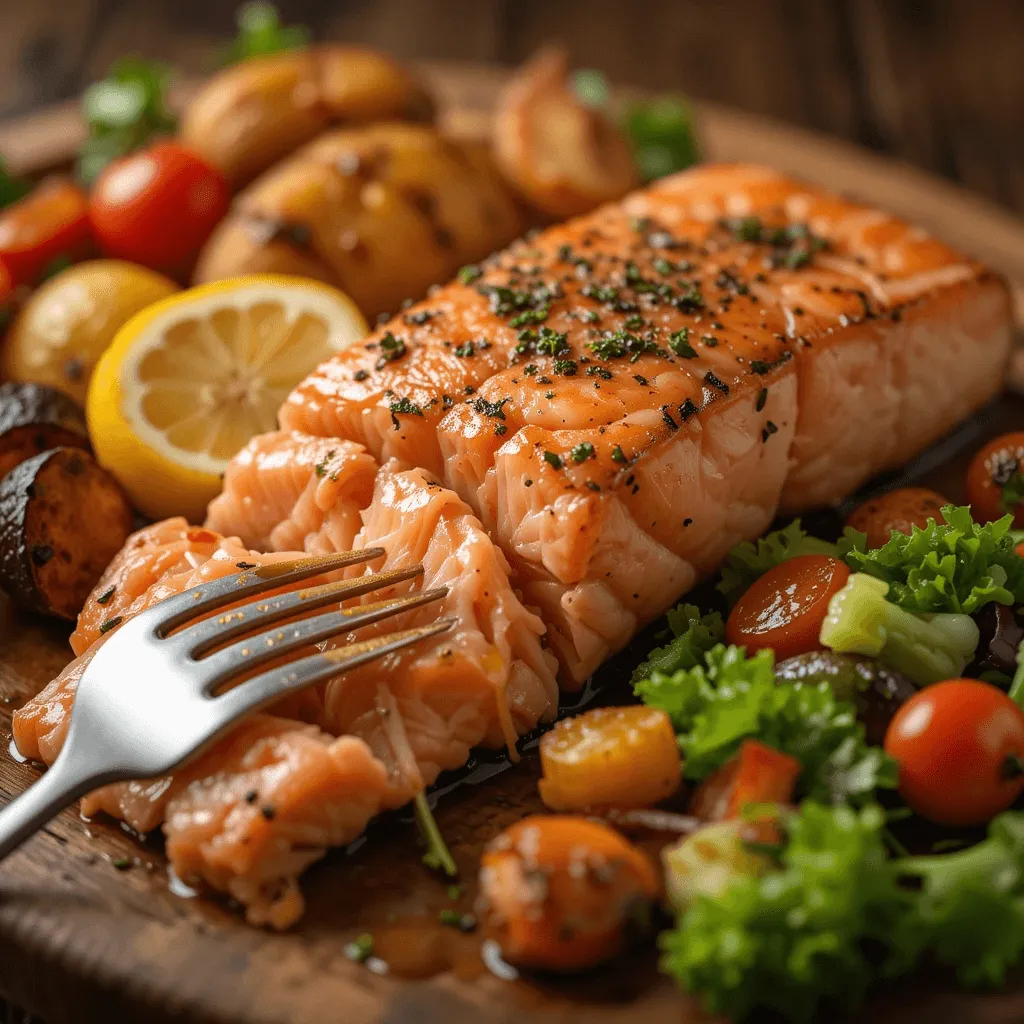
(158, 206)
(898, 510)
(784, 609)
(997, 464)
(5, 286)
(960, 748)
(52, 221)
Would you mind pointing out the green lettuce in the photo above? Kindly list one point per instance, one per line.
(954, 566)
(693, 635)
(717, 705)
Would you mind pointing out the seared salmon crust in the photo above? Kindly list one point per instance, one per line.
(624, 397)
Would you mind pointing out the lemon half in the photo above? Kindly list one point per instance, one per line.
(188, 381)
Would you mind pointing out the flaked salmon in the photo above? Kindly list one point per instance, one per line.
(250, 814)
(624, 397)
(293, 492)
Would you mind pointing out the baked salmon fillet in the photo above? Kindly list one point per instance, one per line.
(624, 397)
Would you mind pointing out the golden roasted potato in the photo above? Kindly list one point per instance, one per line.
(249, 116)
(563, 157)
(382, 212)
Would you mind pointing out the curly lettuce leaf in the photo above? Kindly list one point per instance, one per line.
(749, 560)
(731, 697)
(693, 635)
(971, 903)
(954, 566)
(816, 932)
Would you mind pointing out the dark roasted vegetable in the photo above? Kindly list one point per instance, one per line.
(35, 418)
(876, 691)
(62, 519)
(1001, 635)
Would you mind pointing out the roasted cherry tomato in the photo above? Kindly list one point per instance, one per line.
(898, 510)
(50, 222)
(995, 480)
(784, 609)
(960, 749)
(158, 206)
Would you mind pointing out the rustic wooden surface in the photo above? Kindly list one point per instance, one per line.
(83, 941)
(937, 83)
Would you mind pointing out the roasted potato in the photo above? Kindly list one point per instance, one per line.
(563, 157)
(251, 115)
(35, 418)
(68, 322)
(382, 212)
(62, 519)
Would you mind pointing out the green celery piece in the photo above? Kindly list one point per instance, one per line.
(861, 620)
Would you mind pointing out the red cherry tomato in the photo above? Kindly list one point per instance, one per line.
(52, 221)
(784, 609)
(900, 510)
(158, 206)
(5, 286)
(960, 747)
(991, 469)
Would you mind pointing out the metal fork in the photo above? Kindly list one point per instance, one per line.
(152, 697)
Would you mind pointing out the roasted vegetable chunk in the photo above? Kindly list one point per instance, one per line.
(62, 519)
(35, 418)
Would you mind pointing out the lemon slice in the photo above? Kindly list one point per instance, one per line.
(188, 381)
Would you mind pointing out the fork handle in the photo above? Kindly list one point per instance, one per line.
(59, 787)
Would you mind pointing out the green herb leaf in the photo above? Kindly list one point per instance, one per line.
(260, 32)
(590, 87)
(124, 112)
(662, 135)
(954, 566)
(438, 856)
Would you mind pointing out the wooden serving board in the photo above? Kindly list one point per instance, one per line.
(84, 940)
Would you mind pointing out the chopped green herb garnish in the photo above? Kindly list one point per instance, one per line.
(465, 350)
(106, 627)
(438, 856)
(404, 406)
(565, 367)
(553, 460)
(106, 595)
(679, 343)
(583, 451)
(469, 273)
(618, 455)
(494, 410)
(762, 397)
(361, 949)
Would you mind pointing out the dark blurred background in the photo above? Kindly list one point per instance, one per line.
(939, 83)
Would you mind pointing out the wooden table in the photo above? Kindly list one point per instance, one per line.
(937, 83)
(82, 941)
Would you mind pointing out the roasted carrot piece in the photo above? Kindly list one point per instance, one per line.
(558, 891)
(610, 757)
(758, 774)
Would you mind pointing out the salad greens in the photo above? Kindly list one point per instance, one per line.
(833, 914)
(261, 32)
(971, 903)
(693, 635)
(714, 706)
(747, 561)
(124, 112)
(861, 620)
(822, 926)
(954, 566)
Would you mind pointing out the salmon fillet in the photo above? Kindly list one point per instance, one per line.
(251, 813)
(292, 492)
(623, 398)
